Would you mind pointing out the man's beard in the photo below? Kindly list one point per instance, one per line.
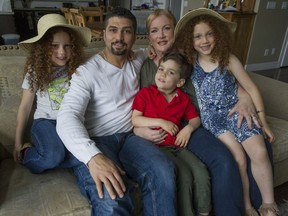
(117, 51)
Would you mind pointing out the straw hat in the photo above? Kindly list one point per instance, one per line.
(201, 11)
(49, 21)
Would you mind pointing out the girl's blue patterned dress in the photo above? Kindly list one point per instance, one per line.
(216, 94)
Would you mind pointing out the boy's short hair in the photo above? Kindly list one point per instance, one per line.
(122, 13)
(185, 67)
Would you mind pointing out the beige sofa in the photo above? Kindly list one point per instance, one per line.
(55, 192)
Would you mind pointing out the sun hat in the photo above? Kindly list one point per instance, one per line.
(49, 21)
(201, 11)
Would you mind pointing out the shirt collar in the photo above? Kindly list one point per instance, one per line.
(157, 93)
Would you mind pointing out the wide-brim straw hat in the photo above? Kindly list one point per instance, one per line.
(198, 12)
(49, 21)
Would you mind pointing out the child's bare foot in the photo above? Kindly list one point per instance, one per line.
(269, 209)
(24, 148)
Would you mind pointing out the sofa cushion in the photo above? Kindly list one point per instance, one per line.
(274, 94)
(280, 130)
(53, 192)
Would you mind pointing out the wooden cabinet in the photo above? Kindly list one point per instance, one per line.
(242, 36)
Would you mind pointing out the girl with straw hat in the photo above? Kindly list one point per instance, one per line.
(204, 36)
(53, 56)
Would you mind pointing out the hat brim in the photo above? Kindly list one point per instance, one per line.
(84, 34)
(198, 12)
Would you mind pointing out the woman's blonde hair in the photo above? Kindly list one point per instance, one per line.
(158, 12)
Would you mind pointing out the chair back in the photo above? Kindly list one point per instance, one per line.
(68, 15)
(93, 18)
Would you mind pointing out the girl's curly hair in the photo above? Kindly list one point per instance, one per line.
(39, 64)
(222, 35)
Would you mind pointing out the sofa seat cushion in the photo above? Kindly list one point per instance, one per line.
(54, 192)
(280, 130)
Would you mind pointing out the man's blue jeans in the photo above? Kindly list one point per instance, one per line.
(227, 193)
(144, 163)
(48, 151)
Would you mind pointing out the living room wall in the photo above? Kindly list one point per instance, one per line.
(269, 34)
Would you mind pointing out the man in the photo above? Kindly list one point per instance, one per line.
(94, 122)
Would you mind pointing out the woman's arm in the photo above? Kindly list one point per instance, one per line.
(245, 108)
(22, 119)
(249, 86)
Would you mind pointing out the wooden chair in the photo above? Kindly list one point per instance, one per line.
(93, 15)
(68, 15)
(80, 20)
(84, 19)
(93, 8)
(73, 13)
(102, 7)
(93, 19)
(109, 8)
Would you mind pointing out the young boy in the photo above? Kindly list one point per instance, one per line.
(165, 106)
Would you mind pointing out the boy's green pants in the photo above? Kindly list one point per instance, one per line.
(193, 182)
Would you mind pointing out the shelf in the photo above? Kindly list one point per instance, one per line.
(242, 35)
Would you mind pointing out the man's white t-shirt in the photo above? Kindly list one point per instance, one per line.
(98, 103)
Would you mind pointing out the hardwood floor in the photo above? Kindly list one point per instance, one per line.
(281, 193)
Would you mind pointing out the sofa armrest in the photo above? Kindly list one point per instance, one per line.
(11, 50)
(274, 94)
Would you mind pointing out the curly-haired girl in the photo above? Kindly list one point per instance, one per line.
(53, 56)
(206, 43)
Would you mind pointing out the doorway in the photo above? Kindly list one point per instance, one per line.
(284, 52)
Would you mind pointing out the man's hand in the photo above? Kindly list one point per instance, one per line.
(104, 171)
(155, 136)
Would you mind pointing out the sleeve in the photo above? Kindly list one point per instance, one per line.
(140, 55)
(139, 102)
(25, 83)
(70, 119)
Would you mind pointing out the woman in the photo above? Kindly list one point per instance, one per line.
(225, 178)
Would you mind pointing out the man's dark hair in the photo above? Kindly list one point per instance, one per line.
(122, 13)
(185, 67)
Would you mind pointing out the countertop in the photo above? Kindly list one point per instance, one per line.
(6, 13)
(38, 9)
